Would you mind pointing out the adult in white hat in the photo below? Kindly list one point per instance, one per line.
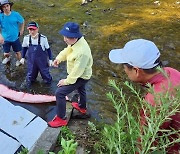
(140, 59)
(11, 25)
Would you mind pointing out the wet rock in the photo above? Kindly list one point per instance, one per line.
(113, 74)
(157, 2)
(171, 46)
(165, 63)
(85, 2)
(153, 13)
(51, 5)
(108, 10)
(88, 12)
(80, 150)
(85, 24)
(77, 115)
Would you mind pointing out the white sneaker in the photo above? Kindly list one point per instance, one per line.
(6, 60)
(18, 63)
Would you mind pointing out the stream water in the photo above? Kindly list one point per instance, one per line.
(106, 24)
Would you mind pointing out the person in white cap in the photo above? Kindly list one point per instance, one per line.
(140, 59)
(12, 26)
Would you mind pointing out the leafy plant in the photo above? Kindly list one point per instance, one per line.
(66, 134)
(68, 147)
(67, 142)
(122, 137)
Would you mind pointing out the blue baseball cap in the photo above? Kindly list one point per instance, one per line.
(71, 29)
(139, 53)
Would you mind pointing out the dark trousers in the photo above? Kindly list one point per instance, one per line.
(63, 91)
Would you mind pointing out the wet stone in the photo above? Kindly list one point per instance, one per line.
(78, 115)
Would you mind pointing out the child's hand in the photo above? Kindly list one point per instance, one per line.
(22, 61)
(55, 63)
(50, 63)
(61, 83)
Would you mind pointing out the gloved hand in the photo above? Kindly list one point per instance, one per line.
(50, 62)
(22, 61)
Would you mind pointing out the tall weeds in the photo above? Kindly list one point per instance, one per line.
(122, 137)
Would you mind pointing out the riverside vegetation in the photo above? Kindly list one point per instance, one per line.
(121, 136)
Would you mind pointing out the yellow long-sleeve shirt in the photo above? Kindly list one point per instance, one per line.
(79, 61)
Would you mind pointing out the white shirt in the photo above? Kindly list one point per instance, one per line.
(43, 42)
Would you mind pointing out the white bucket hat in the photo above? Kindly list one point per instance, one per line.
(3, 2)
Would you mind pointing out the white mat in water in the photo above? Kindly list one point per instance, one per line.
(18, 127)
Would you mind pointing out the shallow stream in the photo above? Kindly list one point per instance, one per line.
(106, 24)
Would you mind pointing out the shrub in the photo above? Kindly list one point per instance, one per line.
(121, 137)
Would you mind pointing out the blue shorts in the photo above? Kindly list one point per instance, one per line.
(16, 46)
